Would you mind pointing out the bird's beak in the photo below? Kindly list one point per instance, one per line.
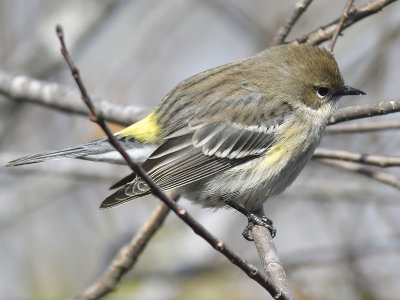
(348, 90)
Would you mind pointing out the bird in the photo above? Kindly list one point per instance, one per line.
(231, 136)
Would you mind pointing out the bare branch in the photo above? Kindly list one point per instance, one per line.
(365, 111)
(382, 177)
(64, 98)
(181, 212)
(362, 127)
(283, 32)
(368, 159)
(326, 32)
(127, 256)
(341, 23)
(270, 259)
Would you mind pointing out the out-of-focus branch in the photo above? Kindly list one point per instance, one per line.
(365, 111)
(382, 177)
(181, 212)
(341, 23)
(283, 32)
(326, 32)
(67, 99)
(270, 259)
(368, 159)
(361, 127)
(64, 98)
(126, 256)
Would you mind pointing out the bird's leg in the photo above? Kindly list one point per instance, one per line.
(254, 218)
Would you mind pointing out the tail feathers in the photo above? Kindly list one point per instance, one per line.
(95, 150)
(98, 150)
(130, 191)
(49, 155)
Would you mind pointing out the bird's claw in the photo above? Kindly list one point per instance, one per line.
(257, 220)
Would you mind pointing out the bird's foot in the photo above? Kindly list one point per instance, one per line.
(258, 220)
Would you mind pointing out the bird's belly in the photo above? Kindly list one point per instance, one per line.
(252, 183)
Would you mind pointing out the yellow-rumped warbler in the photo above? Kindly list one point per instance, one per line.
(235, 134)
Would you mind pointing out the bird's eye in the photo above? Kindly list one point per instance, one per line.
(322, 91)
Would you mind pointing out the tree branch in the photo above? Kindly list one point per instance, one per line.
(365, 111)
(64, 98)
(382, 177)
(181, 212)
(368, 159)
(127, 256)
(341, 23)
(362, 127)
(326, 32)
(283, 32)
(270, 259)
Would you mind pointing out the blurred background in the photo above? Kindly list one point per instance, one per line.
(338, 233)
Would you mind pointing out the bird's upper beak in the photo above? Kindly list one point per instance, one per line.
(348, 90)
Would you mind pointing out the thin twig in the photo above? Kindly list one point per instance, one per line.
(127, 256)
(285, 29)
(367, 159)
(382, 177)
(181, 212)
(341, 23)
(363, 127)
(365, 111)
(270, 259)
(324, 33)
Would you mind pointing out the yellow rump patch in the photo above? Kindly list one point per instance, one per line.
(146, 130)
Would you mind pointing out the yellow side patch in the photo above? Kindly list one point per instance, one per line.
(146, 130)
(273, 155)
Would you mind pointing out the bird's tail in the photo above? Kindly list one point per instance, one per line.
(32, 159)
(98, 150)
(90, 150)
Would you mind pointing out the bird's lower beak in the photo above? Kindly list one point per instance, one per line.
(348, 90)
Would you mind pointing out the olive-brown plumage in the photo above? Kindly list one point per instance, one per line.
(244, 130)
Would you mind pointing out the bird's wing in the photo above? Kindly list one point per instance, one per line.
(207, 145)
